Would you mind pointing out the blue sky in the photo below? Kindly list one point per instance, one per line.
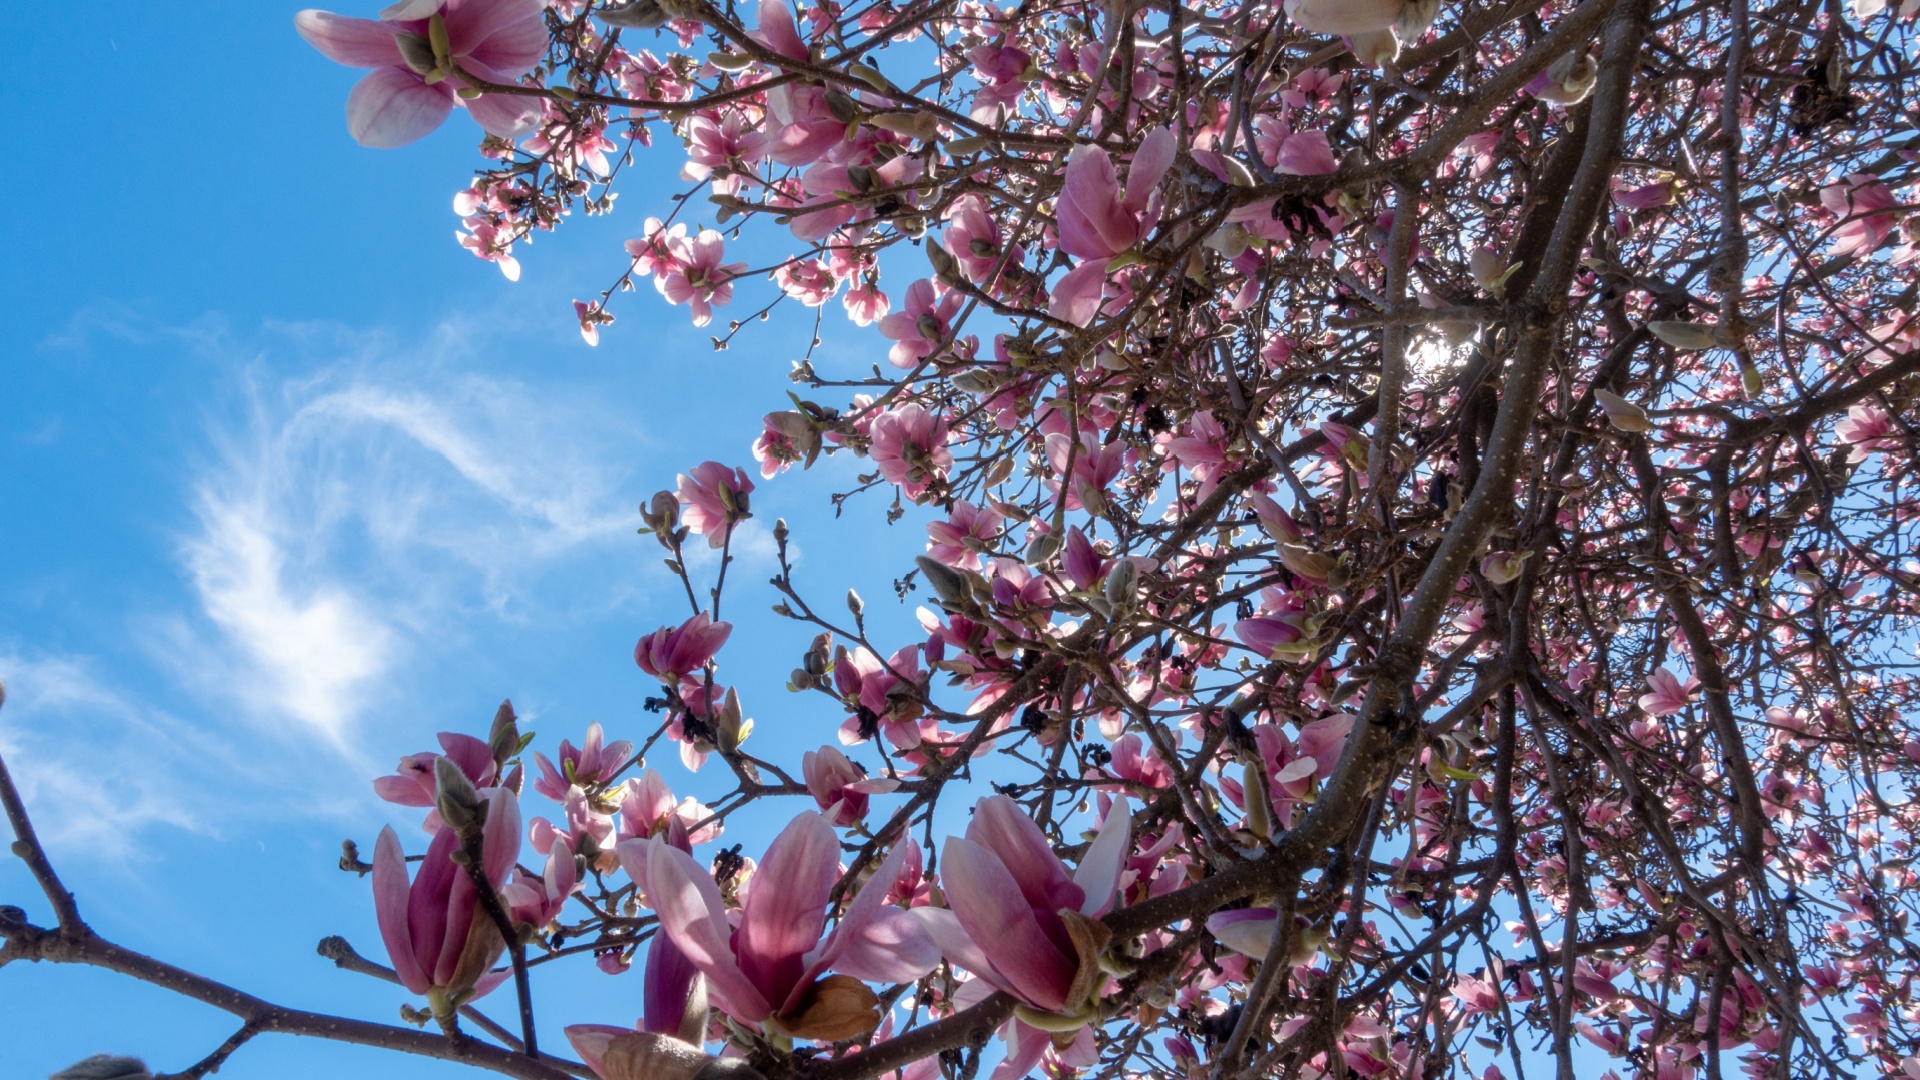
(292, 482)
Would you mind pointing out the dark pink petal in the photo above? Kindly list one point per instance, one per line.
(990, 907)
(390, 907)
(1000, 826)
(1093, 222)
(1076, 297)
(781, 923)
(363, 43)
(672, 989)
(427, 903)
(691, 910)
(778, 32)
(1150, 165)
(393, 107)
(471, 754)
(508, 36)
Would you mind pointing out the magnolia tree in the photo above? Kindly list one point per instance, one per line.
(1421, 572)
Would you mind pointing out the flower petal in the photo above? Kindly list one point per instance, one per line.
(390, 906)
(998, 919)
(877, 942)
(691, 911)
(362, 43)
(504, 115)
(393, 107)
(781, 923)
(1105, 860)
(1003, 828)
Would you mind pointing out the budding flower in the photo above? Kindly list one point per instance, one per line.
(1122, 582)
(732, 729)
(662, 512)
(1621, 413)
(855, 604)
(105, 1067)
(946, 582)
(503, 739)
(1042, 548)
(455, 797)
(1501, 567)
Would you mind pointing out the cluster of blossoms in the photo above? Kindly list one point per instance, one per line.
(1420, 538)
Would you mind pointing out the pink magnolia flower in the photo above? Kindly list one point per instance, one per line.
(1132, 761)
(540, 900)
(1667, 696)
(436, 932)
(974, 239)
(1294, 153)
(765, 968)
(839, 786)
(414, 785)
(1097, 219)
(647, 809)
(964, 536)
(656, 250)
(1077, 297)
(883, 691)
(910, 447)
(923, 326)
(1093, 467)
(1865, 206)
(592, 763)
(699, 279)
(713, 499)
(1866, 429)
(810, 281)
(865, 303)
(413, 86)
(1646, 196)
(721, 146)
(667, 654)
(1013, 908)
(582, 826)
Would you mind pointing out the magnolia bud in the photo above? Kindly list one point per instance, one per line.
(949, 584)
(105, 1067)
(979, 381)
(819, 659)
(639, 14)
(842, 107)
(1042, 548)
(1122, 580)
(1621, 413)
(855, 604)
(662, 512)
(416, 52)
(503, 739)
(455, 797)
(729, 61)
(731, 728)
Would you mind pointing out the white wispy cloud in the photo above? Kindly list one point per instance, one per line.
(359, 516)
(95, 767)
